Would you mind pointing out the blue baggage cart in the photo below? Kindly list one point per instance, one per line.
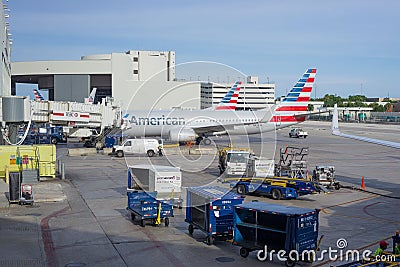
(210, 209)
(145, 206)
(260, 226)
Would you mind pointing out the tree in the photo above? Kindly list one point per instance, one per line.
(357, 98)
(331, 100)
(377, 108)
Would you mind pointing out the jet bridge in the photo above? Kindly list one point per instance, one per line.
(72, 116)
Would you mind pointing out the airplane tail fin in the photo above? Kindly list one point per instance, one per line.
(335, 120)
(92, 95)
(230, 100)
(301, 91)
(37, 95)
(295, 104)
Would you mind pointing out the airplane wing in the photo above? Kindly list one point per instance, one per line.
(211, 128)
(310, 113)
(336, 131)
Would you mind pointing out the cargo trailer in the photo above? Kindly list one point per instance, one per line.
(266, 227)
(210, 209)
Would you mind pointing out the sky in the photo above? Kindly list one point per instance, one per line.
(355, 45)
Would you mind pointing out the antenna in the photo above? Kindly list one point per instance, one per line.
(315, 91)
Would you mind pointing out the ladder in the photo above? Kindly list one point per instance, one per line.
(28, 161)
(292, 162)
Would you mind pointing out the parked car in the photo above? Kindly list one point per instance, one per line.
(298, 132)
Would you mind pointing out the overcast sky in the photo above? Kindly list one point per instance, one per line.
(354, 44)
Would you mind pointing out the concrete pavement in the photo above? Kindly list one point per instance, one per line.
(87, 225)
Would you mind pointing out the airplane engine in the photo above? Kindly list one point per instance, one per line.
(182, 135)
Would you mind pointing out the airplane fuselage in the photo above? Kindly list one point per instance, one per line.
(162, 122)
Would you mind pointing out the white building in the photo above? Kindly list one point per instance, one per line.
(135, 79)
(251, 96)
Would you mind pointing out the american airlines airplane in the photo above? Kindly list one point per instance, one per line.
(187, 125)
(90, 99)
(336, 131)
(38, 96)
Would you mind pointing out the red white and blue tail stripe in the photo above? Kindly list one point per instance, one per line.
(92, 96)
(230, 100)
(295, 104)
(37, 95)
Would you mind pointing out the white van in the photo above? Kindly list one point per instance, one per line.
(138, 146)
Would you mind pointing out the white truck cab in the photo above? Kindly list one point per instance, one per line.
(236, 162)
(138, 146)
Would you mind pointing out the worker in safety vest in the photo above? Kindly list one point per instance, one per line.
(396, 243)
(397, 248)
(382, 246)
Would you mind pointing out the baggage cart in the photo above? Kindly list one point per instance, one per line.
(325, 176)
(264, 226)
(145, 206)
(165, 180)
(210, 209)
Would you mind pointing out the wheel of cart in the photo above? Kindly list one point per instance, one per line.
(210, 240)
(290, 263)
(241, 190)
(191, 229)
(276, 194)
(337, 186)
(244, 252)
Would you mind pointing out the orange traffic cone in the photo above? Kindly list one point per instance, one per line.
(362, 183)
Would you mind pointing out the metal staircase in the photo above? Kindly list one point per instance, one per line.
(28, 161)
(292, 162)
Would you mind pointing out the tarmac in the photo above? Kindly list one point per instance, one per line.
(82, 220)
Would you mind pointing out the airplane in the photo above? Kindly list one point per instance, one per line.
(37, 95)
(336, 131)
(92, 96)
(188, 125)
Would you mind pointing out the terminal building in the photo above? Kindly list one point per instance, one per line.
(135, 80)
(252, 95)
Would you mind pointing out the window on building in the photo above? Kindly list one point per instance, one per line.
(135, 59)
(135, 71)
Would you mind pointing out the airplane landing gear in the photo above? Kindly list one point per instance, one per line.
(203, 140)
